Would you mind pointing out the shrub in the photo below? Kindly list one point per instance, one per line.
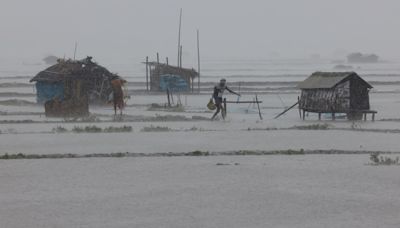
(380, 160)
(156, 129)
(312, 127)
(59, 129)
(87, 129)
(118, 129)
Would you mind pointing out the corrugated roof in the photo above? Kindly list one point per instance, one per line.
(326, 80)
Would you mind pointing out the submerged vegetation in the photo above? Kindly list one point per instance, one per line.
(374, 156)
(59, 129)
(381, 160)
(158, 107)
(152, 128)
(324, 126)
(87, 129)
(93, 129)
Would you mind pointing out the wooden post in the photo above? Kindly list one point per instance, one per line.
(76, 47)
(304, 114)
(166, 59)
(172, 97)
(259, 111)
(158, 68)
(147, 73)
(150, 73)
(298, 101)
(169, 101)
(198, 60)
(224, 110)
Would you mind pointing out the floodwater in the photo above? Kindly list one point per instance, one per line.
(216, 191)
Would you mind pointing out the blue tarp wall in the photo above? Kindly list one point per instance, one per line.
(174, 82)
(46, 91)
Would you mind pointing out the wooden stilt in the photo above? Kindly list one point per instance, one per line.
(169, 101)
(224, 110)
(298, 101)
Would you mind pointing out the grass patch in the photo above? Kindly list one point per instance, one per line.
(312, 127)
(376, 159)
(158, 107)
(87, 129)
(156, 129)
(95, 129)
(59, 129)
(263, 129)
(118, 129)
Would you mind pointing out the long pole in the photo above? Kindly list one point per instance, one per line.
(180, 57)
(147, 73)
(198, 59)
(258, 106)
(179, 37)
(76, 47)
(276, 117)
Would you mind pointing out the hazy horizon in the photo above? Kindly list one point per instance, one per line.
(127, 31)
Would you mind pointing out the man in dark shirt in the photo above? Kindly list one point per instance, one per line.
(217, 95)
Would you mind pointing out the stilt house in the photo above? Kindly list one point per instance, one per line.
(164, 76)
(335, 92)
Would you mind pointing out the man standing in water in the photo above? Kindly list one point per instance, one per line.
(217, 95)
(118, 94)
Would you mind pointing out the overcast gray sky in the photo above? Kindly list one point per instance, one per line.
(123, 30)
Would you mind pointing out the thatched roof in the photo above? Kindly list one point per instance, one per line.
(327, 80)
(164, 67)
(70, 69)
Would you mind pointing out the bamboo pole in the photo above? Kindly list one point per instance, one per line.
(147, 73)
(76, 47)
(179, 38)
(258, 105)
(198, 60)
(276, 117)
(180, 57)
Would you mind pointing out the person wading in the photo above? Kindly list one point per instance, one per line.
(217, 95)
(118, 94)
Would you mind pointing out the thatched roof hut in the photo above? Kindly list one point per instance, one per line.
(335, 92)
(96, 80)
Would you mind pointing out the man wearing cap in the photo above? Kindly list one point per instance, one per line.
(217, 95)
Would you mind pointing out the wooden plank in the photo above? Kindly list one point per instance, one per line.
(244, 102)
